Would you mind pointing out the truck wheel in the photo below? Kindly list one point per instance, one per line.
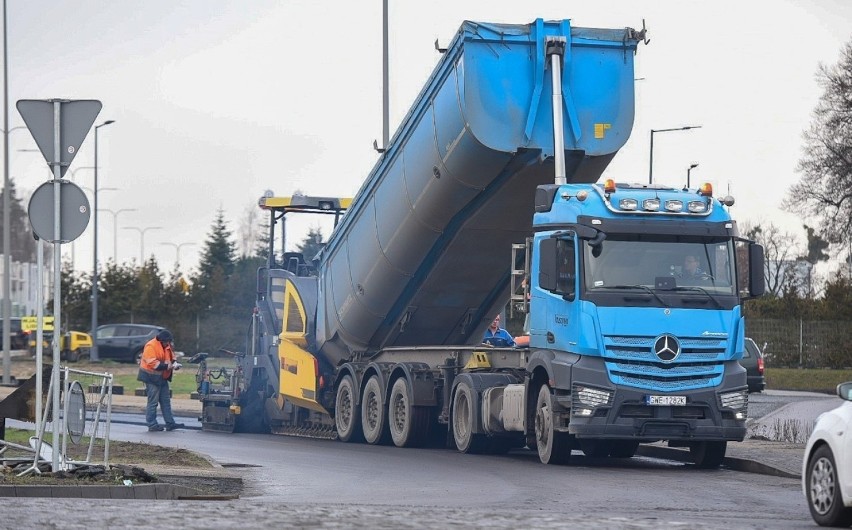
(347, 418)
(464, 405)
(72, 356)
(596, 448)
(823, 490)
(623, 448)
(374, 413)
(554, 447)
(409, 425)
(708, 455)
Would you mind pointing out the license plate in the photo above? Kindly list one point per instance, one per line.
(666, 400)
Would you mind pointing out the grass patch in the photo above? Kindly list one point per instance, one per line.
(182, 385)
(806, 379)
(119, 452)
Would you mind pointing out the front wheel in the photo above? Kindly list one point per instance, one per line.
(823, 490)
(347, 418)
(554, 447)
(708, 455)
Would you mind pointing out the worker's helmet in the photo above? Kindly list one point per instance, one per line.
(165, 336)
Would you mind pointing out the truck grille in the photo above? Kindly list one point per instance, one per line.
(631, 361)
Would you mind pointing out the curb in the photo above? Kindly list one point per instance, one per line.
(730, 462)
(143, 491)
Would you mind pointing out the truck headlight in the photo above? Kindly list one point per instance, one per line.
(738, 401)
(651, 205)
(697, 207)
(592, 397)
(628, 204)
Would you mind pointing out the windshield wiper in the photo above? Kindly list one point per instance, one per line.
(641, 288)
(699, 289)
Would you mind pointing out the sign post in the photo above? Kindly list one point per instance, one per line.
(59, 127)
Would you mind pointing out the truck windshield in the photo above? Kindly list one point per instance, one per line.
(660, 263)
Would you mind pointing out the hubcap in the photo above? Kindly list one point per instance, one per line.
(822, 485)
(345, 407)
(461, 413)
(542, 425)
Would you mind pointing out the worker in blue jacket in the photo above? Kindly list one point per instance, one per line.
(497, 336)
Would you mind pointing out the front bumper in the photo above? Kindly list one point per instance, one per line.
(627, 414)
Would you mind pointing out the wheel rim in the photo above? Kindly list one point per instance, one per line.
(542, 425)
(822, 485)
(398, 406)
(372, 411)
(460, 415)
(344, 407)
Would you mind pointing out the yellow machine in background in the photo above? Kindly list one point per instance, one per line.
(73, 345)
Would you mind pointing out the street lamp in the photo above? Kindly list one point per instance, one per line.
(177, 247)
(94, 353)
(651, 158)
(688, 170)
(142, 239)
(115, 228)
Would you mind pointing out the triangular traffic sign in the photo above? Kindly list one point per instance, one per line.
(76, 119)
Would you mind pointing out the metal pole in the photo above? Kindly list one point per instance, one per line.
(651, 160)
(57, 274)
(385, 76)
(94, 357)
(7, 262)
(39, 331)
(94, 351)
(554, 49)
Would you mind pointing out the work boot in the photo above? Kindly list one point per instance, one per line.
(173, 426)
(156, 428)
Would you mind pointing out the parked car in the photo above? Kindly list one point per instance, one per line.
(752, 361)
(124, 342)
(827, 464)
(18, 337)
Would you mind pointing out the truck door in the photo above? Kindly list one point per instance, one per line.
(552, 307)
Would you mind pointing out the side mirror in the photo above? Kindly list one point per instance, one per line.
(756, 277)
(844, 390)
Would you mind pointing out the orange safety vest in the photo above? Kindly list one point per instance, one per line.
(153, 354)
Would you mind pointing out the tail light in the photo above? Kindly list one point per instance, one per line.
(760, 365)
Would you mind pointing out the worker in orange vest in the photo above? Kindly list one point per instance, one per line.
(155, 370)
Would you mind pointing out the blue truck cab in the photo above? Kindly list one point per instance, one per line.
(641, 346)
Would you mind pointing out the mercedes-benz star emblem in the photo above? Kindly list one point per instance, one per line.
(667, 348)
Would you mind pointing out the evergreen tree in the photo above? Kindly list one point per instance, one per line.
(215, 267)
(312, 244)
(22, 245)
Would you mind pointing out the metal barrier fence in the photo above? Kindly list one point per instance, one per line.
(85, 417)
(803, 343)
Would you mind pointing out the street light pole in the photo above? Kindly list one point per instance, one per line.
(115, 228)
(688, 170)
(651, 157)
(177, 247)
(7, 262)
(94, 353)
(142, 239)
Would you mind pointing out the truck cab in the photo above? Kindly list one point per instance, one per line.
(635, 312)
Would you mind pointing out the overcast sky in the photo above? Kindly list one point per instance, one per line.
(216, 101)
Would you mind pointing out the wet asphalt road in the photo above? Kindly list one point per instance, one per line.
(295, 482)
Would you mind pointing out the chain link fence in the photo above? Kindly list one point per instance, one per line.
(803, 343)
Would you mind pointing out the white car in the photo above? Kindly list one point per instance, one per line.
(827, 466)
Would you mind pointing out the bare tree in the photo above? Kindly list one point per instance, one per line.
(824, 190)
(781, 251)
(247, 233)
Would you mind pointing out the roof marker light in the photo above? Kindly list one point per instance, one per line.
(706, 190)
(609, 186)
(651, 205)
(628, 204)
(674, 206)
(697, 207)
(582, 195)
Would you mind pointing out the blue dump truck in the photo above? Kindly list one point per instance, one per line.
(487, 195)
